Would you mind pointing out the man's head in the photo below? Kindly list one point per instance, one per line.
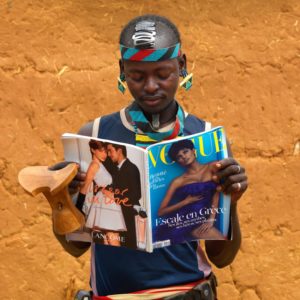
(166, 33)
(116, 152)
(151, 61)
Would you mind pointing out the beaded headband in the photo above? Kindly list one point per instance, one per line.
(150, 54)
(144, 41)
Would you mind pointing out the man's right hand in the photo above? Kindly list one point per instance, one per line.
(78, 180)
(75, 248)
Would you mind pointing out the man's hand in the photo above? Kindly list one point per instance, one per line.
(78, 180)
(231, 177)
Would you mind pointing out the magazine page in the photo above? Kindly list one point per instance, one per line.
(112, 198)
(185, 204)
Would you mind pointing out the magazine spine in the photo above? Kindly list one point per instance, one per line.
(225, 199)
(149, 247)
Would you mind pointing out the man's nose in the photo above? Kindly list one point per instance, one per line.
(151, 85)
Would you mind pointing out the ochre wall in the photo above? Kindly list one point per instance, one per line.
(58, 69)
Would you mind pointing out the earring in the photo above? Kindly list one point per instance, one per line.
(121, 84)
(187, 81)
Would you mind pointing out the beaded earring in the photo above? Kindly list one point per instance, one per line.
(121, 84)
(187, 81)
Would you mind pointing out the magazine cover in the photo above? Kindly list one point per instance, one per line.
(185, 205)
(150, 198)
(112, 198)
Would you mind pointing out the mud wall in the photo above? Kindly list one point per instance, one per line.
(58, 64)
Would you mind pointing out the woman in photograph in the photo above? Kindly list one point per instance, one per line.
(102, 214)
(192, 192)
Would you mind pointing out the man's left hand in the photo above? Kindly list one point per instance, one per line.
(231, 177)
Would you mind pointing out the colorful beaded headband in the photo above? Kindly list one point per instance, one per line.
(144, 42)
(150, 54)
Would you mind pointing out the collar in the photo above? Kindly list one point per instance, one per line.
(121, 163)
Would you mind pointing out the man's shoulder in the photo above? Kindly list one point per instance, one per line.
(193, 124)
(189, 116)
(112, 116)
(130, 166)
(87, 129)
(128, 163)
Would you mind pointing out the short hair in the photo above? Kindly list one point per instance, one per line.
(177, 146)
(167, 33)
(122, 147)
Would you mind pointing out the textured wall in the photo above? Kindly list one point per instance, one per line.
(58, 64)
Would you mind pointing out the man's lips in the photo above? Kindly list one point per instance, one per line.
(152, 100)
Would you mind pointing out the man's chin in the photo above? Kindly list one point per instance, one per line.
(153, 107)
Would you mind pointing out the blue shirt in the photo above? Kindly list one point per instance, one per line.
(117, 270)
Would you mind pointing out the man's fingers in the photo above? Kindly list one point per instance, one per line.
(60, 165)
(233, 180)
(230, 177)
(229, 171)
(235, 187)
(75, 184)
(224, 163)
(80, 176)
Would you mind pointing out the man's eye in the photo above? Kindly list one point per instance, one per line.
(136, 77)
(163, 75)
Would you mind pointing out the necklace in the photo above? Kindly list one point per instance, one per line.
(145, 133)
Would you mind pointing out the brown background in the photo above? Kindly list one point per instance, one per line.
(58, 69)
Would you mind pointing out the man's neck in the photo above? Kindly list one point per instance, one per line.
(121, 159)
(166, 116)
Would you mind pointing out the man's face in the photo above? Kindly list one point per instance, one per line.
(112, 153)
(152, 84)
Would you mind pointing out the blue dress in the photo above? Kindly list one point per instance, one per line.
(178, 225)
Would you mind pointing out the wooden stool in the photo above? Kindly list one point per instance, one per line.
(54, 185)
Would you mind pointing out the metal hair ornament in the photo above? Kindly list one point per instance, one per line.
(144, 36)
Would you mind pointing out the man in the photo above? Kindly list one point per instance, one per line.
(127, 188)
(151, 65)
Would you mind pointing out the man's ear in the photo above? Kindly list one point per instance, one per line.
(121, 65)
(182, 62)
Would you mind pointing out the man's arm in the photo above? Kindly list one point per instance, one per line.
(86, 129)
(232, 180)
(222, 253)
(76, 248)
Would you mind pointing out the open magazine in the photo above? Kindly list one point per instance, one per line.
(150, 198)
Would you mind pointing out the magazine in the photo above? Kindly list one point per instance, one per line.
(150, 198)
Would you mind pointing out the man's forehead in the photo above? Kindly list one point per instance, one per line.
(141, 66)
